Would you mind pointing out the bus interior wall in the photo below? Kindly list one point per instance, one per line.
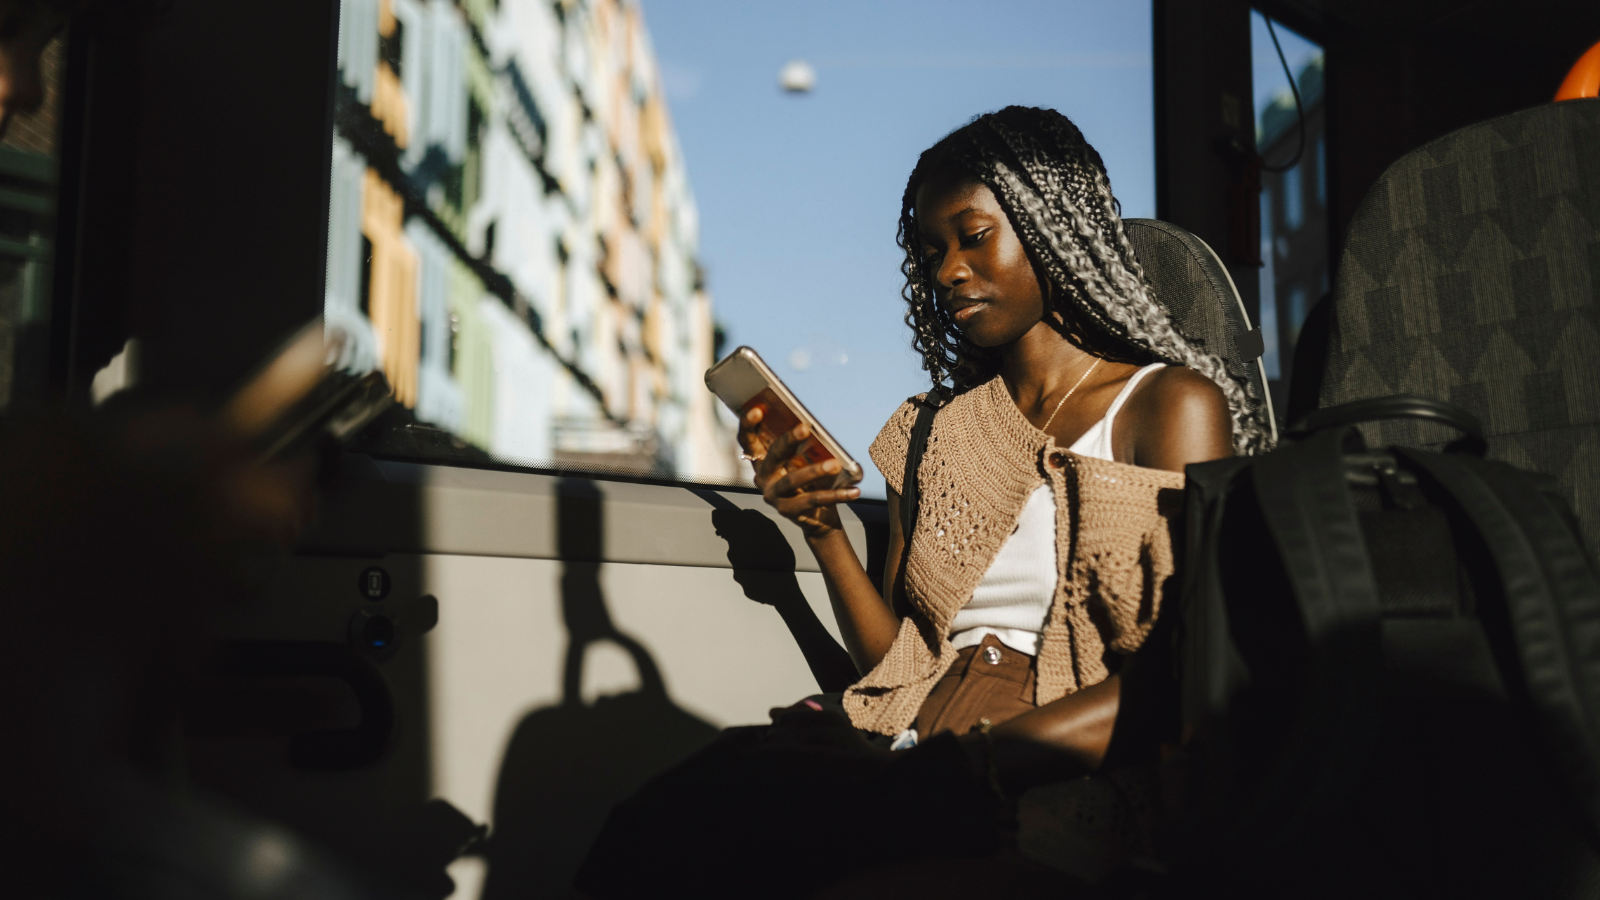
(195, 192)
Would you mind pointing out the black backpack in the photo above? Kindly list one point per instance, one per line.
(1389, 664)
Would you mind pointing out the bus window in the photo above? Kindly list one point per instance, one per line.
(1294, 216)
(512, 241)
(547, 220)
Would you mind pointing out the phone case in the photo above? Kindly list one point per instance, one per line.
(743, 380)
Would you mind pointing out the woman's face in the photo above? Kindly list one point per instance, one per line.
(977, 265)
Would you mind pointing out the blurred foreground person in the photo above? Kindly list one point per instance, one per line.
(122, 534)
(26, 26)
(117, 536)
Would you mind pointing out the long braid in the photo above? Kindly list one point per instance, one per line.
(933, 334)
(1053, 186)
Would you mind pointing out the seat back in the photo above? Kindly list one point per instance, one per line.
(1471, 273)
(1194, 287)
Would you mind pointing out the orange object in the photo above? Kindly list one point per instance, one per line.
(1584, 79)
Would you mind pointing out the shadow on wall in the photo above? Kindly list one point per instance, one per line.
(568, 765)
(763, 565)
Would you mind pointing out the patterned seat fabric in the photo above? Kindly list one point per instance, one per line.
(1191, 283)
(1471, 273)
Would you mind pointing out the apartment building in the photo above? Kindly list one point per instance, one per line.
(512, 237)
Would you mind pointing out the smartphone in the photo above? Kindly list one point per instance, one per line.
(744, 381)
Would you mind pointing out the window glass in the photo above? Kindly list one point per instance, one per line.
(549, 218)
(1298, 304)
(1294, 231)
(1269, 311)
(1322, 171)
(1294, 209)
(28, 164)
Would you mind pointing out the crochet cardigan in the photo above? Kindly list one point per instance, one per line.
(1114, 551)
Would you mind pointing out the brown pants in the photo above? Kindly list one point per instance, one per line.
(990, 681)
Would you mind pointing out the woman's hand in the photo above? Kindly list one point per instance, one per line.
(1065, 738)
(800, 494)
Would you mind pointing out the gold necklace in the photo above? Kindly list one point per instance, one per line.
(1069, 393)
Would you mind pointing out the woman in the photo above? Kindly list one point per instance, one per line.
(1041, 547)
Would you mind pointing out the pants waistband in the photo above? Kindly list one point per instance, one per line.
(992, 658)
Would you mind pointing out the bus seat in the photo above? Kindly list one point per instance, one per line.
(1310, 360)
(1190, 281)
(1471, 273)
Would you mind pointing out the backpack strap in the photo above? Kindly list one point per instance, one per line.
(1552, 596)
(910, 493)
(1306, 504)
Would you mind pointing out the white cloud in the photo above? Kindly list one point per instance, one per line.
(681, 83)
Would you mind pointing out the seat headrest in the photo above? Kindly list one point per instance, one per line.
(1194, 287)
(1471, 273)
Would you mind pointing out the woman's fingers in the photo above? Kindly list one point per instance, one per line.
(750, 434)
(789, 491)
(791, 494)
(786, 444)
(810, 500)
(778, 453)
(803, 507)
(803, 478)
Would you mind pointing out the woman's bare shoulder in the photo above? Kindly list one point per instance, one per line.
(1179, 416)
(1175, 388)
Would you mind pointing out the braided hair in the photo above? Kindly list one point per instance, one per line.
(1053, 187)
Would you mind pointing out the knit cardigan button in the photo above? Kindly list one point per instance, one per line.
(1058, 460)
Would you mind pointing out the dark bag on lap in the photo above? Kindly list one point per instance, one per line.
(780, 811)
(1390, 672)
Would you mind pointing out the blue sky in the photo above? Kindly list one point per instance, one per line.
(799, 194)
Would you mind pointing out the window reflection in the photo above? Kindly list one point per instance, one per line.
(28, 156)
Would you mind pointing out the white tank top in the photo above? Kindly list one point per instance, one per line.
(1012, 602)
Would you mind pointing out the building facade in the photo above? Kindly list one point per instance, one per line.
(512, 236)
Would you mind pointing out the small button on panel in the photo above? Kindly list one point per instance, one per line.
(991, 655)
(1058, 460)
(374, 584)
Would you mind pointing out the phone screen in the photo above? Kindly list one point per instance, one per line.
(776, 420)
